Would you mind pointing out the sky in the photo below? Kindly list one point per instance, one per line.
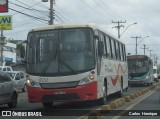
(146, 13)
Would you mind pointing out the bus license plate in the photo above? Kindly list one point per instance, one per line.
(59, 92)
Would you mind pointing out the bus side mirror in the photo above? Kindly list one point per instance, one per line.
(100, 48)
(23, 51)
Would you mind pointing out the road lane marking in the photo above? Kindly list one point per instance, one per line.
(131, 106)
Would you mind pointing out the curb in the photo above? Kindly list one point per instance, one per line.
(119, 102)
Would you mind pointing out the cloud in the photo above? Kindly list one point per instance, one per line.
(101, 12)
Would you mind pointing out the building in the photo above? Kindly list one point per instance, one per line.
(9, 53)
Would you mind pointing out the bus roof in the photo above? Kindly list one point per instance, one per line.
(74, 25)
(137, 56)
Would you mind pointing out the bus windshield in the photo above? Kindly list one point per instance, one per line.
(137, 65)
(60, 52)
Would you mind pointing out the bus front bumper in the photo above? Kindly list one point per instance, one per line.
(138, 82)
(79, 93)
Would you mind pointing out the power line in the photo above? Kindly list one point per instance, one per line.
(65, 12)
(28, 15)
(27, 7)
(33, 11)
(93, 9)
(108, 9)
(101, 7)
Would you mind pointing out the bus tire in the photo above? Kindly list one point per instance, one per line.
(47, 104)
(103, 100)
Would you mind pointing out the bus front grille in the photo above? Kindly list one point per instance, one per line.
(60, 97)
(59, 85)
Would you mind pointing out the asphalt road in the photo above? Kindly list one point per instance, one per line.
(76, 109)
(146, 106)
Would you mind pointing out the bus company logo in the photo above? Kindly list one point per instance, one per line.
(6, 113)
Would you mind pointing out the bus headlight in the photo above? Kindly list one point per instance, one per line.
(147, 77)
(91, 77)
(155, 76)
(84, 81)
(32, 83)
(87, 79)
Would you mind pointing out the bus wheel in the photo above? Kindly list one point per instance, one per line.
(103, 100)
(47, 104)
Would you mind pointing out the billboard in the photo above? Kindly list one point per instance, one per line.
(3, 6)
(5, 22)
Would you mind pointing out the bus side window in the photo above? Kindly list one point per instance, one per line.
(124, 53)
(120, 50)
(108, 47)
(102, 38)
(113, 49)
(117, 50)
(125, 58)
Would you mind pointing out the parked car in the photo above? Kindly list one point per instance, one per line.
(19, 78)
(8, 90)
(6, 68)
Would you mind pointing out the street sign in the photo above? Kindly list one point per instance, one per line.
(3, 6)
(5, 22)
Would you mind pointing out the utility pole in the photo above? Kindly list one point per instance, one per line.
(150, 52)
(52, 12)
(2, 43)
(1, 47)
(136, 41)
(144, 48)
(155, 58)
(118, 26)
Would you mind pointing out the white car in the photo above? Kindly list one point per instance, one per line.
(6, 68)
(19, 78)
(8, 90)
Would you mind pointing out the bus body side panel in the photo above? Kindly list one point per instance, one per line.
(113, 71)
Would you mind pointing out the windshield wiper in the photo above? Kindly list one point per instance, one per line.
(66, 65)
(49, 63)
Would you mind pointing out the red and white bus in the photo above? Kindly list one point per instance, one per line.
(74, 62)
